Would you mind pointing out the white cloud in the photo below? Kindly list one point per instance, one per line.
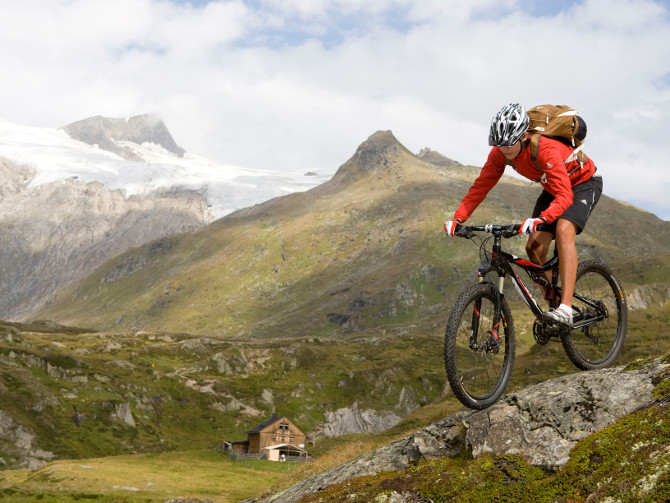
(298, 84)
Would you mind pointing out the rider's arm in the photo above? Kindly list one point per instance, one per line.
(488, 177)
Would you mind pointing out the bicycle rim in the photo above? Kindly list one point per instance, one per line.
(478, 370)
(598, 344)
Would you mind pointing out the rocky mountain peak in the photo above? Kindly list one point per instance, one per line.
(108, 133)
(378, 154)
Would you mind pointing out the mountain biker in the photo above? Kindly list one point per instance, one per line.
(570, 193)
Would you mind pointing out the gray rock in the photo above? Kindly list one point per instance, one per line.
(442, 438)
(545, 421)
(647, 296)
(353, 420)
(110, 133)
(17, 444)
(123, 413)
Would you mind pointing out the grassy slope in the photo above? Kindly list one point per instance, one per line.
(189, 392)
(366, 248)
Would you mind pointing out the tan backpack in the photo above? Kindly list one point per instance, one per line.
(561, 123)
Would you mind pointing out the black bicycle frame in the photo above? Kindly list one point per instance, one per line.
(501, 264)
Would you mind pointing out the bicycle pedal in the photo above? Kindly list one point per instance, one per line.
(555, 326)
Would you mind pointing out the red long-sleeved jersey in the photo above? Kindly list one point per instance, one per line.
(557, 177)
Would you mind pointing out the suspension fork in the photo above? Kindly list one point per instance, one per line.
(474, 326)
(497, 263)
(497, 314)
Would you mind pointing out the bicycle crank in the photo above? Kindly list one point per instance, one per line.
(544, 331)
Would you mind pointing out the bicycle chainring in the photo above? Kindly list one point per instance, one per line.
(543, 332)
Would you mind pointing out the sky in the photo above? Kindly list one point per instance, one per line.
(297, 85)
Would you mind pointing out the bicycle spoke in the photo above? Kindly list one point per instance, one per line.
(480, 367)
(594, 342)
(600, 318)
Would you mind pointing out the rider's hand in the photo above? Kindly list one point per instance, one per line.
(450, 226)
(529, 225)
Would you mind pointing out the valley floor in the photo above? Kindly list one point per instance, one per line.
(205, 474)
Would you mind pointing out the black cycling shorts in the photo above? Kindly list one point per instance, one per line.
(586, 197)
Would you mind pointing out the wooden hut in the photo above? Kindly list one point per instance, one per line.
(277, 430)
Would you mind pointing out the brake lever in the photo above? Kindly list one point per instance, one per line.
(463, 231)
(511, 231)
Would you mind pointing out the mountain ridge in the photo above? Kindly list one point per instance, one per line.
(53, 156)
(351, 188)
(381, 211)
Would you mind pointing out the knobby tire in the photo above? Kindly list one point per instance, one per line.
(478, 377)
(598, 345)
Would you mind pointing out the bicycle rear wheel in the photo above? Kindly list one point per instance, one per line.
(479, 356)
(600, 304)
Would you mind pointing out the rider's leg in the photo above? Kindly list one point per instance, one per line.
(537, 249)
(573, 220)
(566, 231)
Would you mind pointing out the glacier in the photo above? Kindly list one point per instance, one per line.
(55, 156)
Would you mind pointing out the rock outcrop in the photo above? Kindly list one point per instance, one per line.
(123, 414)
(648, 296)
(19, 443)
(354, 420)
(109, 134)
(542, 423)
(14, 178)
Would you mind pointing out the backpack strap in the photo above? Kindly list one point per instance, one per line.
(543, 178)
(535, 149)
(576, 155)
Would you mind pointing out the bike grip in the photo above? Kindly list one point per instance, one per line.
(459, 230)
(463, 231)
(512, 230)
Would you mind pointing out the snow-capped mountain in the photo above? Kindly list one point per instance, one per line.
(72, 198)
(53, 155)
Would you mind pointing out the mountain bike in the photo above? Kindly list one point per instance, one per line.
(479, 339)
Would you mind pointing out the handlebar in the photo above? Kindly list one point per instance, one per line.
(506, 231)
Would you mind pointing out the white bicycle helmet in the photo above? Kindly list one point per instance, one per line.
(508, 126)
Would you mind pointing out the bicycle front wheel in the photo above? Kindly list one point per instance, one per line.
(599, 306)
(478, 352)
